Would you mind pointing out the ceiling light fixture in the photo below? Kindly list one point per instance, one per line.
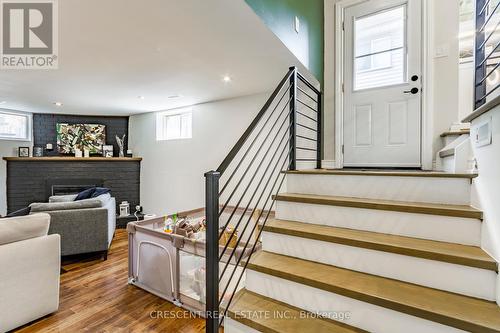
(59, 104)
(226, 79)
(141, 97)
(174, 96)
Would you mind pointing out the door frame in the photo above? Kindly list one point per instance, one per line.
(334, 67)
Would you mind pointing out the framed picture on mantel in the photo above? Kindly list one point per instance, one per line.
(23, 152)
(107, 150)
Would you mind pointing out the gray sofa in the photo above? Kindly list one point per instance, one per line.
(85, 226)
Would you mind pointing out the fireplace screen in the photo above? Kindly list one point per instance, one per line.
(70, 186)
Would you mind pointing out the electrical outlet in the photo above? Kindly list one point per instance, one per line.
(297, 24)
(483, 135)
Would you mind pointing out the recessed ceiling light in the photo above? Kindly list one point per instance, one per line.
(58, 104)
(226, 78)
(141, 97)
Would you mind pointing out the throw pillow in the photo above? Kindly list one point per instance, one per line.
(21, 212)
(92, 193)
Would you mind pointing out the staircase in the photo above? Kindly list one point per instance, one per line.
(370, 251)
(456, 156)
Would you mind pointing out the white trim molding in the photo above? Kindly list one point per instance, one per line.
(427, 86)
(328, 164)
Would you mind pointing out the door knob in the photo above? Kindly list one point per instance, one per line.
(412, 91)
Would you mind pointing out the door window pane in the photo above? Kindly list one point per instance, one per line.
(379, 49)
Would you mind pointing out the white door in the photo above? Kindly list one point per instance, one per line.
(382, 84)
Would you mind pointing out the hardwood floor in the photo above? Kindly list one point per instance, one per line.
(95, 297)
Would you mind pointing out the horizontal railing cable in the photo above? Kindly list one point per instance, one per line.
(488, 18)
(489, 56)
(489, 73)
(229, 158)
(246, 189)
(494, 31)
(309, 149)
(307, 83)
(307, 127)
(258, 235)
(253, 142)
(306, 105)
(306, 138)
(245, 173)
(492, 90)
(307, 94)
(306, 116)
(484, 7)
(253, 211)
(241, 201)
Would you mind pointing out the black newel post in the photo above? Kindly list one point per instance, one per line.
(293, 118)
(212, 250)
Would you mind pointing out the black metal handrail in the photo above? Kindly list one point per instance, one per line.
(286, 130)
(486, 61)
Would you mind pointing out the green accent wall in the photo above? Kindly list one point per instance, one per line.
(307, 45)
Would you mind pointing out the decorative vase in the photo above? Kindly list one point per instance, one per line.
(121, 143)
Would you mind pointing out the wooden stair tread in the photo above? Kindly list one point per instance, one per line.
(393, 173)
(247, 306)
(399, 206)
(460, 132)
(471, 256)
(462, 312)
(447, 152)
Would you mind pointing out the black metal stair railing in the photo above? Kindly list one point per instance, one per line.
(487, 50)
(286, 132)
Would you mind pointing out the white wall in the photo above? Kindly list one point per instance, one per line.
(172, 171)
(445, 61)
(7, 149)
(487, 184)
(466, 89)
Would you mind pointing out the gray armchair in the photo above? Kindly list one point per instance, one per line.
(85, 226)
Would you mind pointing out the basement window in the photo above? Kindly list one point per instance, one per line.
(15, 126)
(174, 125)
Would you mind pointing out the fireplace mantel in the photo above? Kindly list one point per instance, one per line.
(73, 159)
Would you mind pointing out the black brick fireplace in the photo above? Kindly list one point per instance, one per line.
(32, 179)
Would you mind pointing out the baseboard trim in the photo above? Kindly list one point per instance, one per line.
(328, 164)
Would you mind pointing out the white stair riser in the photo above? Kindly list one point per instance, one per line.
(434, 227)
(363, 315)
(459, 279)
(413, 189)
(450, 138)
(232, 326)
(448, 163)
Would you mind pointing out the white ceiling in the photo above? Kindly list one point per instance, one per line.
(112, 51)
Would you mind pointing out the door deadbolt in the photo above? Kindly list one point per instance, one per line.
(412, 91)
